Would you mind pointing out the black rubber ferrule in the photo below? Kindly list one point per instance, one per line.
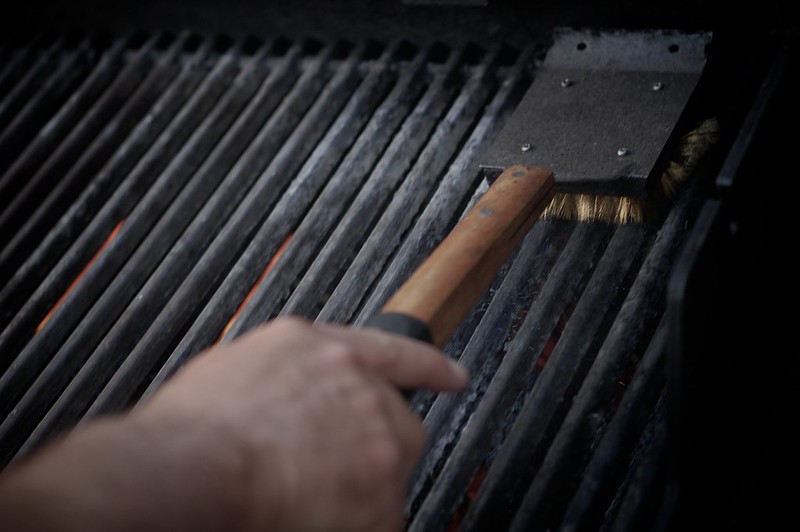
(401, 324)
(405, 325)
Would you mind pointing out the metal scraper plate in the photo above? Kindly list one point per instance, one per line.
(602, 108)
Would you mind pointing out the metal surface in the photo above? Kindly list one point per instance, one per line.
(592, 115)
(190, 188)
(719, 299)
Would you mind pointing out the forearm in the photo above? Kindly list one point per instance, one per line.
(293, 427)
(102, 478)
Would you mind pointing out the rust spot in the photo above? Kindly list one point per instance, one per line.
(252, 291)
(74, 283)
(469, 497)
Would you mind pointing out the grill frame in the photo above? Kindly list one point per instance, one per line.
(497, 321)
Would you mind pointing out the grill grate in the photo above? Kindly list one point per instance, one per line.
(162, 193)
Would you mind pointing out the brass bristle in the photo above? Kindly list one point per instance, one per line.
(586, 208)
(623, 209)
(693, 146)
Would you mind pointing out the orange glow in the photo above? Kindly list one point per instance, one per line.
(469, 497)
(551, 343)
(252, 291)
(78, 278)
(548, 349)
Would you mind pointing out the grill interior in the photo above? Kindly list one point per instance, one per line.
(163, 190)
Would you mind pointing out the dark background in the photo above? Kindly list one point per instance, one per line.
(422, 20)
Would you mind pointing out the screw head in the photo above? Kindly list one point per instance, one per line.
(657, 86)
(526, 147)
(622, 151)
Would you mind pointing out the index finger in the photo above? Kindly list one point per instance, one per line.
(405, 362)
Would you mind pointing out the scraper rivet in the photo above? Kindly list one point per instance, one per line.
(622, 152)
(526, 147)
(566, 82)
(657, 86)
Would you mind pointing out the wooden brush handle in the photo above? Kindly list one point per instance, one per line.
(438, 296)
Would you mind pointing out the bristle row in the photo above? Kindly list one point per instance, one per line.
(623, 209)
(586, 208)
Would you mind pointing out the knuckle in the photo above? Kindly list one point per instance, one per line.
(390, 356)
(337, 355)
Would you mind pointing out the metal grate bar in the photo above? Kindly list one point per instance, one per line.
(483, 354)
(67, 75)
(394, 168)
(253, 315)
(123, 199)
(57, 127)
(28, 269)
(181, 212)
(643, 503)
(358, 219)
(303, 190)
(618, 357)
(162, 194)
(44, 342)
(131, 271)
(446, 206)
(382, 179)
(263, 246)
(221, 253)
(442, 210)
(26, 86)
(604, 472)
(407, 200)
(558, 294)
(16, 62)
(161, 283)
(339, 213)
(534, 427)
(77, 159)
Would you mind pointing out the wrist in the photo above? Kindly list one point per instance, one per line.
(141, 473)
(203, 474)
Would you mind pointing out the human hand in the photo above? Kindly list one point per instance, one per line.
(293, 426)
(330, 441)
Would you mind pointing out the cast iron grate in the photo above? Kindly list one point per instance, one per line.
(161, 193)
